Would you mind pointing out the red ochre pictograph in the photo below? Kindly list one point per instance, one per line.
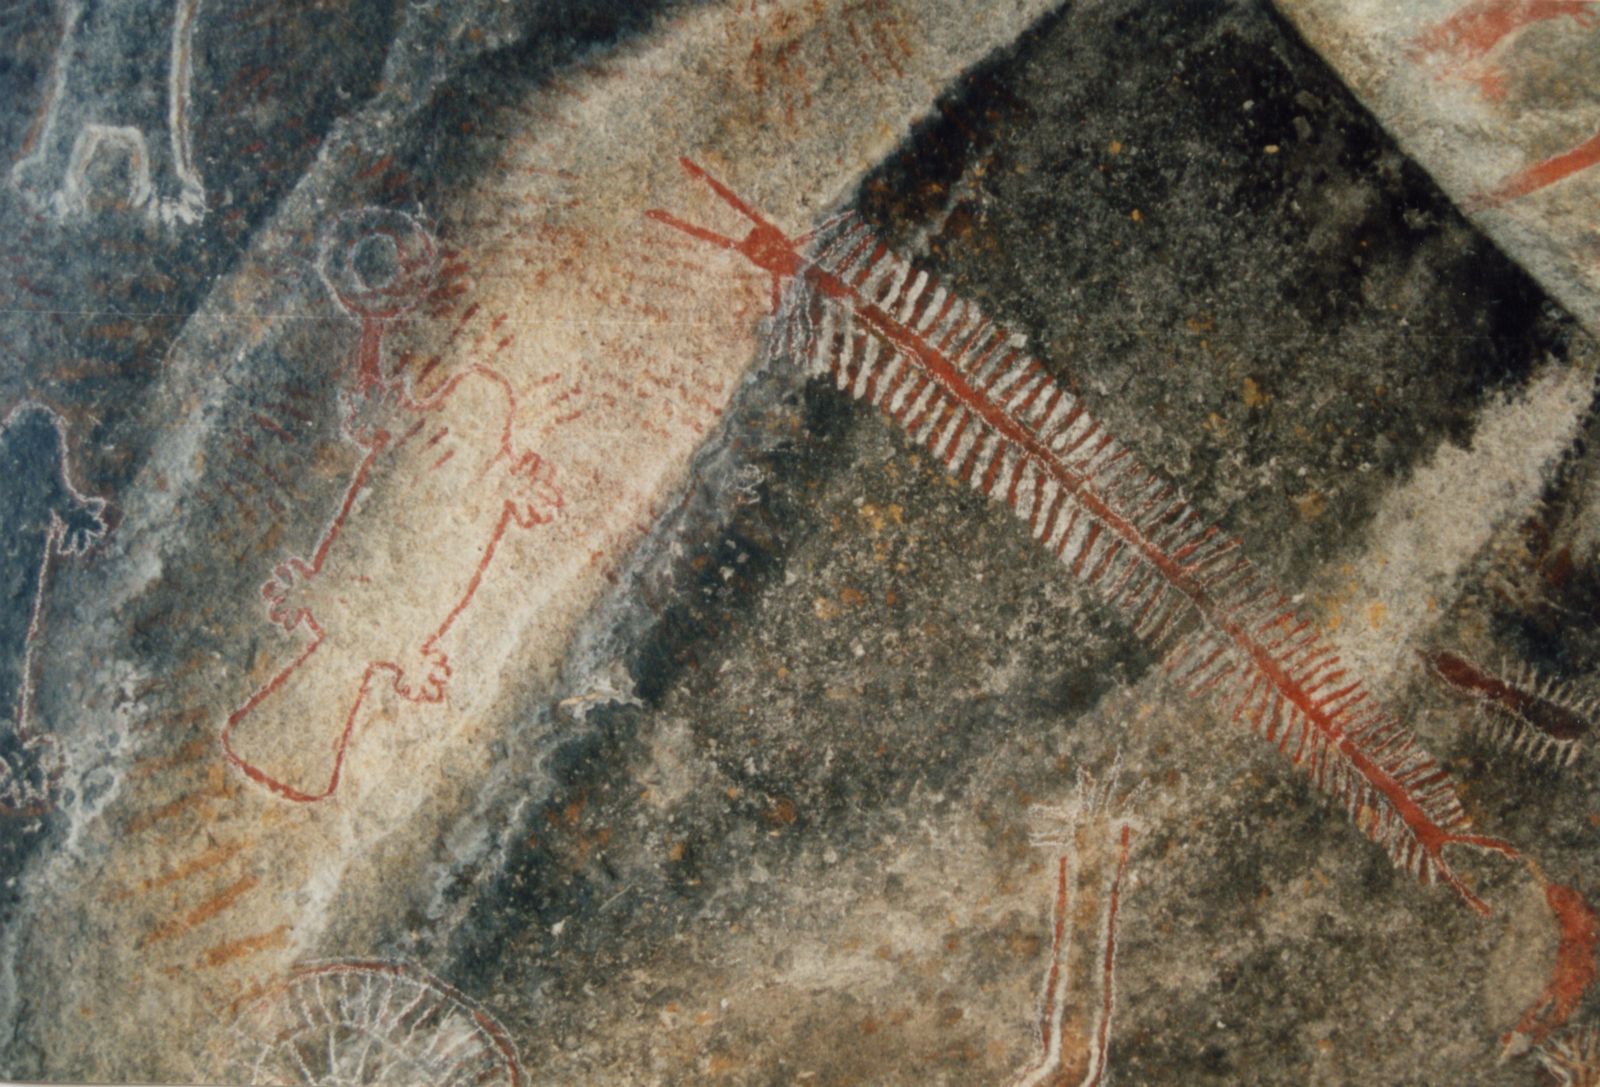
(442, 472)
(1468, 43)
(968, 391)
(346, 1023)
(1575, 971)
(1523, 712)
(1078, 997)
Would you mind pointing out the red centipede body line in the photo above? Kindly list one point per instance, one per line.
(968, 391)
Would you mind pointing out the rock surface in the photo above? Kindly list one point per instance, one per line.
(730, 738)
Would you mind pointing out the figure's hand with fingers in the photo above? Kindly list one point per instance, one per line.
(82, 526)
(423, 675)
(287, 593)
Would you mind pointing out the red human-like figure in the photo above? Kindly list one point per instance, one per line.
(441, 483)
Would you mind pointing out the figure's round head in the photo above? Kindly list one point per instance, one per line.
(378, 262)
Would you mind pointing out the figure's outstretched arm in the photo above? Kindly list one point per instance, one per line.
(285, 592)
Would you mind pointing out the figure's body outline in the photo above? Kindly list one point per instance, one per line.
(528, 496)
(76, 522)
(405, 684)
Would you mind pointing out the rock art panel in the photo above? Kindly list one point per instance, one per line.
(972, 395)
(424, 619)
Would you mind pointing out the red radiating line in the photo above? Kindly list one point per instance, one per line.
(1540, 175)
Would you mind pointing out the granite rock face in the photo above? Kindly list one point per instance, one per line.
(455, 637)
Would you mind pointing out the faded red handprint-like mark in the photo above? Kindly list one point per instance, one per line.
(1469, 43)
(453, 481)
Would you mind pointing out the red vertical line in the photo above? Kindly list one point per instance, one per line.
(1027, 492)
(976, 441)
(1066, 530)
(1043, 383)
(879, 251)
(933, 307)
(1020, 465)
(975, 359)
(932, 404)
(996, 460)
(1185, 554)
(942, 426)
(871, 366)
(1075, 443)
(272, 427)
(1108, 968)
(919, 283)
(1087, 548)
(1047, 529)
(854, 235)
(967, 324)
(1016, 367)
(953, 450)
(839, 360)
(1135, 578)
(884, 376)
(942, 325)
(1106, 559)
(1042, 414)
(1057, 953)
(1036, 507)
(926, 390)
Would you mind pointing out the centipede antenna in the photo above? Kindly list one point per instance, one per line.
(731, 198)
(721, 241)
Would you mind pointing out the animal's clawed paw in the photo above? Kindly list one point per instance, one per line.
(534, 498)
(184, 203)
(82, 526)
(424, 676)
(285, 593)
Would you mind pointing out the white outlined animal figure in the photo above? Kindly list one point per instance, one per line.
(1091, 835)
(340, 1024)
(101, 102)
(44, 516)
